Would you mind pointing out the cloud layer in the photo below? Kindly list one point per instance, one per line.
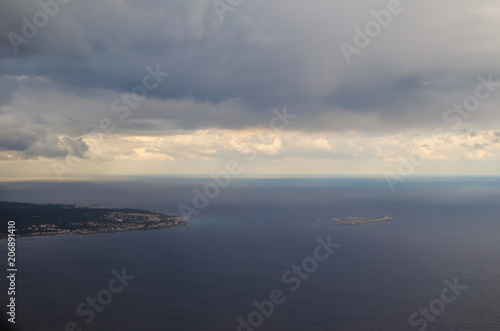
(227, 75)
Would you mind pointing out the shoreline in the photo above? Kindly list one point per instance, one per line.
(76, 232)
(358, 220)
(40, 219)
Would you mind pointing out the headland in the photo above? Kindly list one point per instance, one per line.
(40, 219)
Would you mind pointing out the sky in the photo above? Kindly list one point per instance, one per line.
(284, 87)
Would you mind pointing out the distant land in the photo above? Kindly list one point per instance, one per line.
(40, 219)
(358, 220)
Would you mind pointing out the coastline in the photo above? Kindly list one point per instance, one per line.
(34, 220)
(79, 233)
(358, 220)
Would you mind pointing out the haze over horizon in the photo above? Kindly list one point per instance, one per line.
(270, 86)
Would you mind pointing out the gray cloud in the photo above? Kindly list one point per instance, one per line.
(475, 146)
(17, 140)
(7, 87)
(496, 137)
(28, 138)
(230, 74)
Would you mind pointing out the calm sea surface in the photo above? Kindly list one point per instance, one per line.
(205, 275)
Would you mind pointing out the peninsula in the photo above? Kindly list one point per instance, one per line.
(42, 219)
(358, 220)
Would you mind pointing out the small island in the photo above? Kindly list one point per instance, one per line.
(358, 220)
(42, 219)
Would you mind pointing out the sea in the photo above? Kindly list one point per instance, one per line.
(263, 255)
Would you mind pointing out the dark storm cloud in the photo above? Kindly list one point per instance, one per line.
(28, 139)
(7, 87)
(120, 40)
(230, 74)
(377, 91)
(17, 140)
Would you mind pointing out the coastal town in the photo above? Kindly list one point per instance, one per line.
(51, 219)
